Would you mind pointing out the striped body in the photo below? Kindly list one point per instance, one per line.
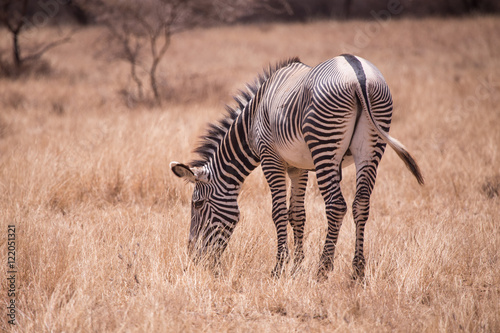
(295, 119)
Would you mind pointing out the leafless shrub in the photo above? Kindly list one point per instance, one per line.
(140, 33)
(16, 17)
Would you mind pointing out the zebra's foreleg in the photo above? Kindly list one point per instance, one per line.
(274, 171)
(297, 213)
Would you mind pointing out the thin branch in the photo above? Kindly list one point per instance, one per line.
(49, 46)
(131, 54)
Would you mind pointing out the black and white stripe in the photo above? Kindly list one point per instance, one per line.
(293, 119)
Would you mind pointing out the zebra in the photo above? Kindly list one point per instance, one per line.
(294, 119)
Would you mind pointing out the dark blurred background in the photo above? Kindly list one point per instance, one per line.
(248, 11)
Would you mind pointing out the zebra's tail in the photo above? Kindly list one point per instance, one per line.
(398, 147)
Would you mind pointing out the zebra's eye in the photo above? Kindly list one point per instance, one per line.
(198, 204)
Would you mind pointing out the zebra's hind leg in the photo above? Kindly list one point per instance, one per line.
(367, 152)
(297, 213)
(328, 142)
(274, 171)
(360, 211)
(365, 180)
(336, 209)
(328, 175)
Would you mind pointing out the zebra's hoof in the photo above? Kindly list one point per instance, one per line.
(358, 265)
(277, 272)
(326, 266)
(295, 270)
(358, 276)
(322, 275)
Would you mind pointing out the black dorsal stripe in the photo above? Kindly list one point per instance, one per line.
(360, 73)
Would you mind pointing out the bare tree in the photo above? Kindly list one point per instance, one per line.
(15, 16)
(11, 15)
(140, 32)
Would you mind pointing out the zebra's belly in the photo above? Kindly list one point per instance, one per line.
(297, 154)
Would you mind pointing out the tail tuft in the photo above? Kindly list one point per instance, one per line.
(411, 164)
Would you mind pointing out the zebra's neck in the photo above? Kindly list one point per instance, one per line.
(226, 149)
(235, 159)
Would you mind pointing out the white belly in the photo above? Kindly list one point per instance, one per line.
(297, 154)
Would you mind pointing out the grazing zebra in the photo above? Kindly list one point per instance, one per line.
(292, 120)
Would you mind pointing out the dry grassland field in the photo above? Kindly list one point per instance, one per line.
(101, 223)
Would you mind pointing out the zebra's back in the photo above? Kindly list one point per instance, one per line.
(301, 99)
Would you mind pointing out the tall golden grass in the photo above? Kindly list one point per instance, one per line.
(102, 224)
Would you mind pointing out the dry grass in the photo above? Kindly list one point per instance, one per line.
(102, 224)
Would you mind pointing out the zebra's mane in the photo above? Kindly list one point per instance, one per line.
(209, 143)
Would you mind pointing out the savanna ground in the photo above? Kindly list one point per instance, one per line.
(102, 224)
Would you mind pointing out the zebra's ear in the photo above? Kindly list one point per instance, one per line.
(182, 171)
(190, 174)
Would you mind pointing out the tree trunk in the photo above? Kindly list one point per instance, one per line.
(136, 79)
(154, 86)
(17, 51)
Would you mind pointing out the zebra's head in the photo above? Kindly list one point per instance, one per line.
(213, 214)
